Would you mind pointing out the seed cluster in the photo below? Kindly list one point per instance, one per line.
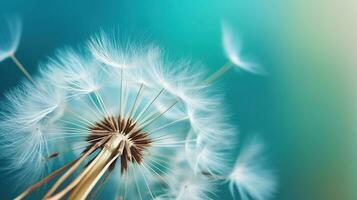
(132, 145)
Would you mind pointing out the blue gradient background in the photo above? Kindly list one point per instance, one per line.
(304, 109)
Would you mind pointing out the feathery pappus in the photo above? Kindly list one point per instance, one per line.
(123, 116)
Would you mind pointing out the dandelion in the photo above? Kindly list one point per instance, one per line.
(250, 175)
(10, 33)
(232, 47)
(122, 115)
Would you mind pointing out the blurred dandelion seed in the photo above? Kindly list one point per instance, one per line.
(251, 176)
(10, 35)
(10, 32)
(155, 126)
(232, 47)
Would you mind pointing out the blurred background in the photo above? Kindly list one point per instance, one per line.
(305, 108)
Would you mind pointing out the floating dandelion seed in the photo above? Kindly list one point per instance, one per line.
(10, 34)
(233, 50)
(125, 115)
(250, 175)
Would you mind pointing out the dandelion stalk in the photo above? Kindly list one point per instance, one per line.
(97, 169)
(45, 180)
(22, 68)
(220, 72)
(71, 170)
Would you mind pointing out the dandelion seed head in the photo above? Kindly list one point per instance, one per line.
(161, 130)
(10, 34)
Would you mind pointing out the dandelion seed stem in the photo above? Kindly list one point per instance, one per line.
(71, 170)
(79, 147)
(150, 121)
(121, 94)
(101, 185)
(101, 102)
(169, 124)
(136, 99)
(148, 106)
(146, 182)
(22, 68)
(88, 182)
(137, 186)
(96, 169)
(220, 72)
(44, 180)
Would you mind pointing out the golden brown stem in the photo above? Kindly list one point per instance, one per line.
(72, 169)
(44, 180)
(97, 169)
(84, 183)
(101, 185)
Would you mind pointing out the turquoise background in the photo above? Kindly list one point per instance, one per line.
(304, 108)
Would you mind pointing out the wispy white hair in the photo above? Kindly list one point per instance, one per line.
(251, 176)
(195, 188)
(10, 34)
(233, 49)
(215, 142)
(77, 73)
(108, 49)
(24, 123)
(185, 184)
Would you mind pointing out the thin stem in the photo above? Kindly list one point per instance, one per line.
(150, 121)
(101, 103)
(22, 68)
(136, 99)
(133, 107)
(137, 186)
(72, 149)
(97, 168)
(72, 169)
(121, 95)
(146, 183)
(168, 124)
(101, 185)
(220, 72)
(87, 183)
(148, 106)
(44, 180)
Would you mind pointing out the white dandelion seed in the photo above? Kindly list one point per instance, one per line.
(10, 34)
(193, 187)
(119, 114)
(233, 49)
(251, 176)
(185, 184)
(215, 142)
(24, 127)
(108, 50)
